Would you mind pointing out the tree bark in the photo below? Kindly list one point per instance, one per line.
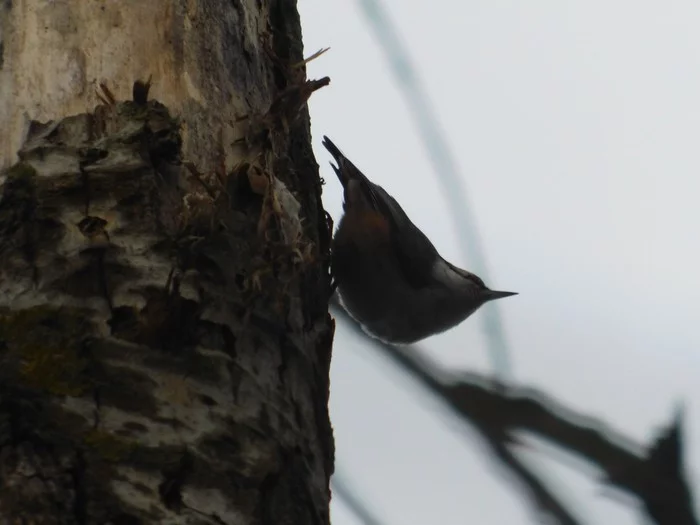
(164, 332)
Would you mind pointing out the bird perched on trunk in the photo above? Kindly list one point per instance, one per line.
(390, 278)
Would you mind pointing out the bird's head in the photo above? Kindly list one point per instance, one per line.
(466, 283)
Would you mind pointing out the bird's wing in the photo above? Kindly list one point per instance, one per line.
(414, 253)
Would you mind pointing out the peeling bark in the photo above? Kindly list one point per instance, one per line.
(164, 332)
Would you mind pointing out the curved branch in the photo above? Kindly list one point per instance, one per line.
(497, 411)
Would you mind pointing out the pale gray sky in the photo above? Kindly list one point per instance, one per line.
(577, 126)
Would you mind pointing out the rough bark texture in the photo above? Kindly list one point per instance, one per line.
(210, 61)
(164, 333)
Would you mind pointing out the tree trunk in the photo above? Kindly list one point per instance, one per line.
(164, 333)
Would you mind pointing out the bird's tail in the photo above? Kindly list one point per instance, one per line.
(363, 192)
(345, 170)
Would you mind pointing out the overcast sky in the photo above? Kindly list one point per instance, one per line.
(577, 126)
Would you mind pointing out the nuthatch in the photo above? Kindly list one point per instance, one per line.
(390, 277)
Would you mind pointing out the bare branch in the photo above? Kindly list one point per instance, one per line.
(542, 496)
(497, 411)
(341, 487)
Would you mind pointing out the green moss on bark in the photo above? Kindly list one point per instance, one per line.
(47, 347)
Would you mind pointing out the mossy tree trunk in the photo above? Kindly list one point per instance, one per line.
(164, 333)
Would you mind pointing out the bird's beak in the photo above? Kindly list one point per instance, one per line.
(490, 295)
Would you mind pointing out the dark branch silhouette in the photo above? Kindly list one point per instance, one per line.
(542, 496)
(497, 411)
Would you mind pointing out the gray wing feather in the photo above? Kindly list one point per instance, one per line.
(414, 253)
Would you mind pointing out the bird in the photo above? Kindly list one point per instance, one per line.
(388, 275)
